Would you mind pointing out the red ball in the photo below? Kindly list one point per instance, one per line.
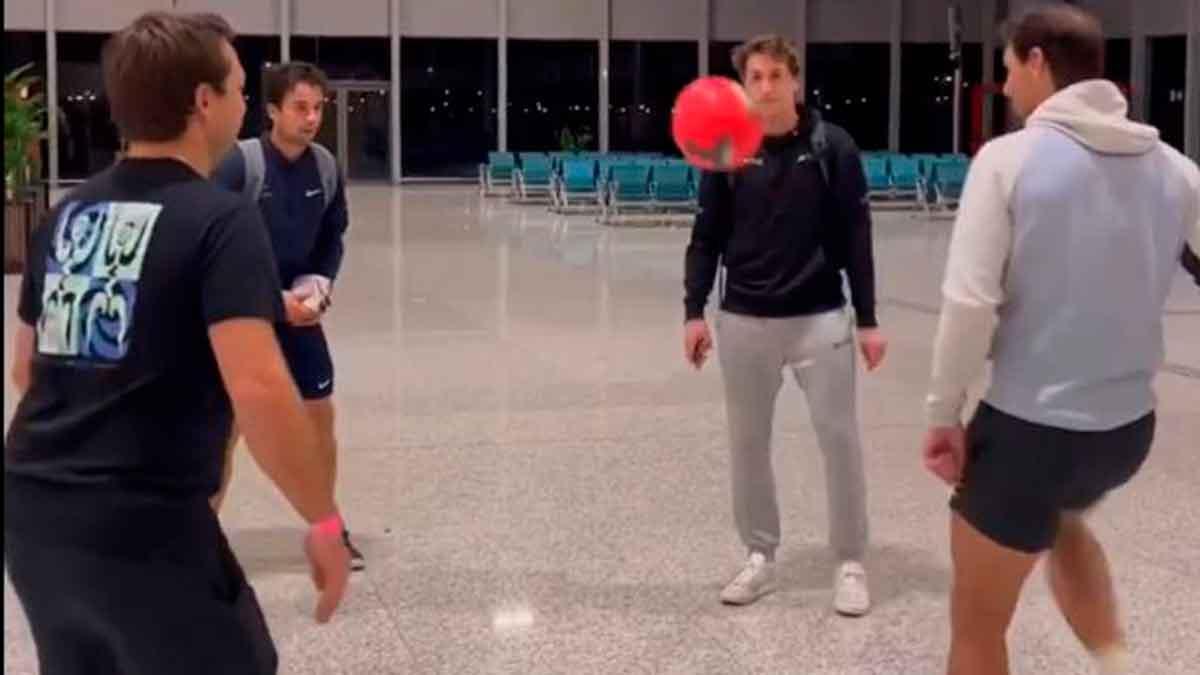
(714, 126)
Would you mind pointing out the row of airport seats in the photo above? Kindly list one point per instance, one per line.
(618, 183)
(615, 184)
(929, 181)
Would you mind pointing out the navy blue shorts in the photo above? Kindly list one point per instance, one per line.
(307, 354)
(1021, 477)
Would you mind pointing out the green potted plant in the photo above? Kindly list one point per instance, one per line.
(24, 127)
(569, 142)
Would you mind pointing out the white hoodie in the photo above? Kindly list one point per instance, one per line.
(1068, 236)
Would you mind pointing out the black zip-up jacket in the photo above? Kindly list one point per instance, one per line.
(782, 234)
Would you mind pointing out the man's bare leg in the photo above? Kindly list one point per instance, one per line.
(1078, 572)
(322, 414)
(987, 584)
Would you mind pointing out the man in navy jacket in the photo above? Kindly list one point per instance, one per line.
(303, 201)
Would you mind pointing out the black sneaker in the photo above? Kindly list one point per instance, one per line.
(357, 563)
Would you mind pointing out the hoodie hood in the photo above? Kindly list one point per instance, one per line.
(1095, 113)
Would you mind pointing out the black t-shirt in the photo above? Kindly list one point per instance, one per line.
(123, 281)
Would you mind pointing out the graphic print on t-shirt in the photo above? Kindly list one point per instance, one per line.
(91, 283)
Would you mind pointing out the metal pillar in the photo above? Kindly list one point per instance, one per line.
(52, 91)
(1191, 93)
(605, 44)
(802, 44)
(1139, 68)
(896, 70)
(502, 95)
(990, 19)
(955, 25)
(394, 116)
(285, 30)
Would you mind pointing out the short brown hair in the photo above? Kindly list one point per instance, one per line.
(1071, 39)
(280, 80)
(775, 46)
(153, 66)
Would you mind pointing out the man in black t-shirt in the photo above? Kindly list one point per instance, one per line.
(146, 324)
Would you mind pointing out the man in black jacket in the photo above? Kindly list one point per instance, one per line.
(784, 227)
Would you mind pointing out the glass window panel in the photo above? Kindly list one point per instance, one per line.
(553, 87)
(449, 115)
(858, 103)
(720, 59)
(927, 95)
(256, 53)
(88, 141)
(645, 78)
(1167, 62)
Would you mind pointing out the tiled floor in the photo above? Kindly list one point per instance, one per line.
(541, 485)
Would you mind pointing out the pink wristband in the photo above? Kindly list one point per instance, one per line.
(330, 526)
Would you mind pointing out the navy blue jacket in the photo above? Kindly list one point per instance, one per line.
(307, 236)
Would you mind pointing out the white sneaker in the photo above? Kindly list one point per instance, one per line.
(850, 594)
(755, 580)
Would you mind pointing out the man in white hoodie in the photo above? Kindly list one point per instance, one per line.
(1068, 237)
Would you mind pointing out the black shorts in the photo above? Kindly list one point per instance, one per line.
(131, 591)
(1021, 477)
(307, 354)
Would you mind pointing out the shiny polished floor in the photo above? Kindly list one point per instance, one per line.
(541, 484)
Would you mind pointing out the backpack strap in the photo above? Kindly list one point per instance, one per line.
(255, 168)
(820, 148)
(327, 167)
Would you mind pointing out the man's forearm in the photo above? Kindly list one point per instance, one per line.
(283, 442)
(860, 273)
(700, 271)
(960, 352)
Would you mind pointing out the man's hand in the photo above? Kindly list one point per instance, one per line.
(299, 313)
(945, 453)
(697, 342)
(329, 563)
(873, 345)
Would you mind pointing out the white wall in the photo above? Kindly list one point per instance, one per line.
(657, 19)
(555, 19)
(1116, 15)
(741, 19)
(340, 18)
(100, 15)
(453, 18)
(248, 17)
(1162, 17)
(24, 14)
(849, 21)
(828, 20)
(927, 21)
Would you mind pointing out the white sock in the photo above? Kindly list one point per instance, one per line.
(1113, 660)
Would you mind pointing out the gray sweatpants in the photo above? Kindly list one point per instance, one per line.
(820, 352)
